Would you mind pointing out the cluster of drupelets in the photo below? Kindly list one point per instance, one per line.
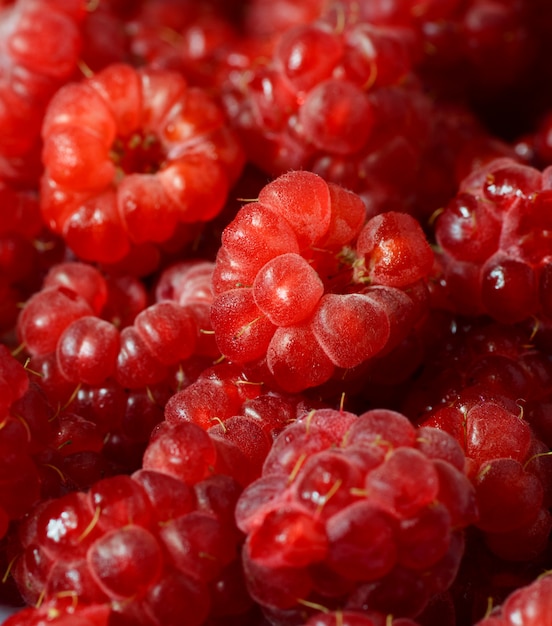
(276, 312)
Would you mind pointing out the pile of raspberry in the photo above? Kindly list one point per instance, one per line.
(275, 321)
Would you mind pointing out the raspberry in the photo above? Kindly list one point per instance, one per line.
(479, 407)
(125, 554)
(115, 173)
(374, 61)
(241, 417)
(314, 525)
(109, 399)
(290, 296)
(349, 113)
(152, 341)
(493, 230)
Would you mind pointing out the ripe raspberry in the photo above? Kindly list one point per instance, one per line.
(336, 97)
(491, 372)
(144, 545)
(347, 89)
(492, 360)
(138, 348)
(494, 243)
(148, 153)
(302, 282)
(110, 384)
(241, 416)
(338, 517)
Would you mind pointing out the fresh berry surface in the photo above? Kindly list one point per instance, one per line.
(275, 313)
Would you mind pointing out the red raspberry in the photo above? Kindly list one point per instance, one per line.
(146, 154)
(357, 512)
(336, 97)
(144, 545)
(301, 281)
(111, 384)
(341, 92)
(241, 416)
(494, 243)
(476, 384)
(137, 348)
